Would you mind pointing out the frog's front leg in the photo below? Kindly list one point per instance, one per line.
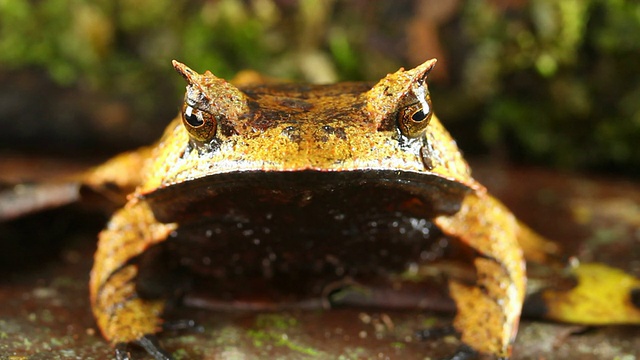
(117, 177)
(489, 311)
(122, 315)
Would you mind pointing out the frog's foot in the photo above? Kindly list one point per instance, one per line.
(488, 312)
(123, 316)
(464, 352)
(147, 342)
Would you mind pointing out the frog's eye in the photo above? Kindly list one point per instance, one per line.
(401, 101)
(413, 119)
(200, 124)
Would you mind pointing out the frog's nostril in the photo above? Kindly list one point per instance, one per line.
(338, 132)
(328, 129)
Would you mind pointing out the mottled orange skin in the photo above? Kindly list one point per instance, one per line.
(348, 127)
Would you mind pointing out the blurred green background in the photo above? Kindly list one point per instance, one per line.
(550, 82)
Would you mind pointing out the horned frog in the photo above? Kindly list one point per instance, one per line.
(283, 182)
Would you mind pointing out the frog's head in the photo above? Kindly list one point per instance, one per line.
(209, 101)
(402, 101)
(399, 101)
(288, 127)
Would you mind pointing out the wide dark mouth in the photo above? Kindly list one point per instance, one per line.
(377, 188)
(307, 228)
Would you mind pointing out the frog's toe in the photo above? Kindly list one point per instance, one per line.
(149, 343)
(152, 346)
(122, 353)
(464, 352)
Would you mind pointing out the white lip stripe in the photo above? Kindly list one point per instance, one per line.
(188, 111)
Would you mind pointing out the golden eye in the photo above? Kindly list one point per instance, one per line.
(200, 124)
(413, 119)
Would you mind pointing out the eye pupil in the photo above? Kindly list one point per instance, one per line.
(414, 119)
(191, 118)
(418, 116)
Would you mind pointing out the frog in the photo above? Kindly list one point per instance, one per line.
(299, 160)
(285, 182)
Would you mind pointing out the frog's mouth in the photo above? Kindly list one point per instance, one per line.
(421, 194)
(297, 232)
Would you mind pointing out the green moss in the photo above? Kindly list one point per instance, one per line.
(276, 321)
(276, 330)
(180, 354)
(553, 82)
(428, 322)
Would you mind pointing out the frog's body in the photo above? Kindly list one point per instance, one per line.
(344, 179)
